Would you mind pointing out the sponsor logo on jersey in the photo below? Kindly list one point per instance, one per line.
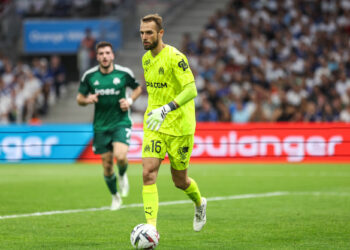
(116, 81)
(158, 85)
(96, 83)
(161, 71)
(182, 64)
(107, 91)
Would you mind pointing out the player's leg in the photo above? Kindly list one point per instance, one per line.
(120, 151)
(188, 185)
(152, 155)
(179, 151)
(149, 190)
(108, 172)
(121, 140)
(111, 179)
(103, 145)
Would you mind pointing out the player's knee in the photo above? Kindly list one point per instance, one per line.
(181, 184)
(147, 173)
(107, 164)
(120, 156)
(122, 160)
(149, 176)
(107, 167)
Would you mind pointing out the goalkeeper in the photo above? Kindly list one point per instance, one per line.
(169, 122)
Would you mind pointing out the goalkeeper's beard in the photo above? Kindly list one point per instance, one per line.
(152, 45)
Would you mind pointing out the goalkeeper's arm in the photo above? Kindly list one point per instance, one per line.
(157, 116)
(187, 94)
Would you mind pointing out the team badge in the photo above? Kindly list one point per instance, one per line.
(182, 152)
(147, 149)
(161, 71)
(116, 81)
(182, 64)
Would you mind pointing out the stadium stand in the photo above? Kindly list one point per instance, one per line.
(273, 61)
(180, 16)
(30, 86)
(253, 60)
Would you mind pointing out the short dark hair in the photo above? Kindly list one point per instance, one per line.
(155, 18)
(103, 44)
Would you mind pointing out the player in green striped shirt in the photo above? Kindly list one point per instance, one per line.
(105, 86)
(169, 121)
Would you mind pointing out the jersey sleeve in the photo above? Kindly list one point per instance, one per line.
(84, 87)
(131, 81)
(182, 70)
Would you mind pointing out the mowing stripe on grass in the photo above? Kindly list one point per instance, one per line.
(167, 203)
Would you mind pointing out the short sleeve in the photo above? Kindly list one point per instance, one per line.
(131, 81)
(84, 88)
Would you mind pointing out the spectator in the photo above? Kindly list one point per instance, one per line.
(86, 52)
(32, 90)
(188, 45)
(345, 114)
(58, 73)
(311, 114)
(8, 76)
(207, 113)
(297, 52)
(240, 113)
(5, 103)
(46, 79)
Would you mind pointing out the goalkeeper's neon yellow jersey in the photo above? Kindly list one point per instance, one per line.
(166, 75)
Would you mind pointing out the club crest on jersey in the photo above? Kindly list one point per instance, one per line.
(182, 64)
(147, 148)
(96, 83)
(116, 81)
(161, 71)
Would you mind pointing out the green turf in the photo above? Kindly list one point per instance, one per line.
(302, 219)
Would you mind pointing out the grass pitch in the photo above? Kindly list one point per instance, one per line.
(251, 206)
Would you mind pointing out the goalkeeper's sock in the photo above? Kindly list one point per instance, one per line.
(111, 182)
(150, 203)
(193, 193)
(122, 169)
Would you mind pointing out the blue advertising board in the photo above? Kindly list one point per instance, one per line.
(64, 36)
(45, 143)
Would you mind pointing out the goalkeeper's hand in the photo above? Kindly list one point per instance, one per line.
(157, 116)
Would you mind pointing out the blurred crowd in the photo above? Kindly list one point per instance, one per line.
(255, 61)
(66, 8)
(27, 91)
(270, 60)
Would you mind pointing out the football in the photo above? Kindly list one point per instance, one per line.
(144, 236)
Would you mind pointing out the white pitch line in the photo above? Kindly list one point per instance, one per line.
(167, 203)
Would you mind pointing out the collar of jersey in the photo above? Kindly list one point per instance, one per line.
(166, 46)
(99, 69)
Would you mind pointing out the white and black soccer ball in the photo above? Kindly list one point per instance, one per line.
(144, 236)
